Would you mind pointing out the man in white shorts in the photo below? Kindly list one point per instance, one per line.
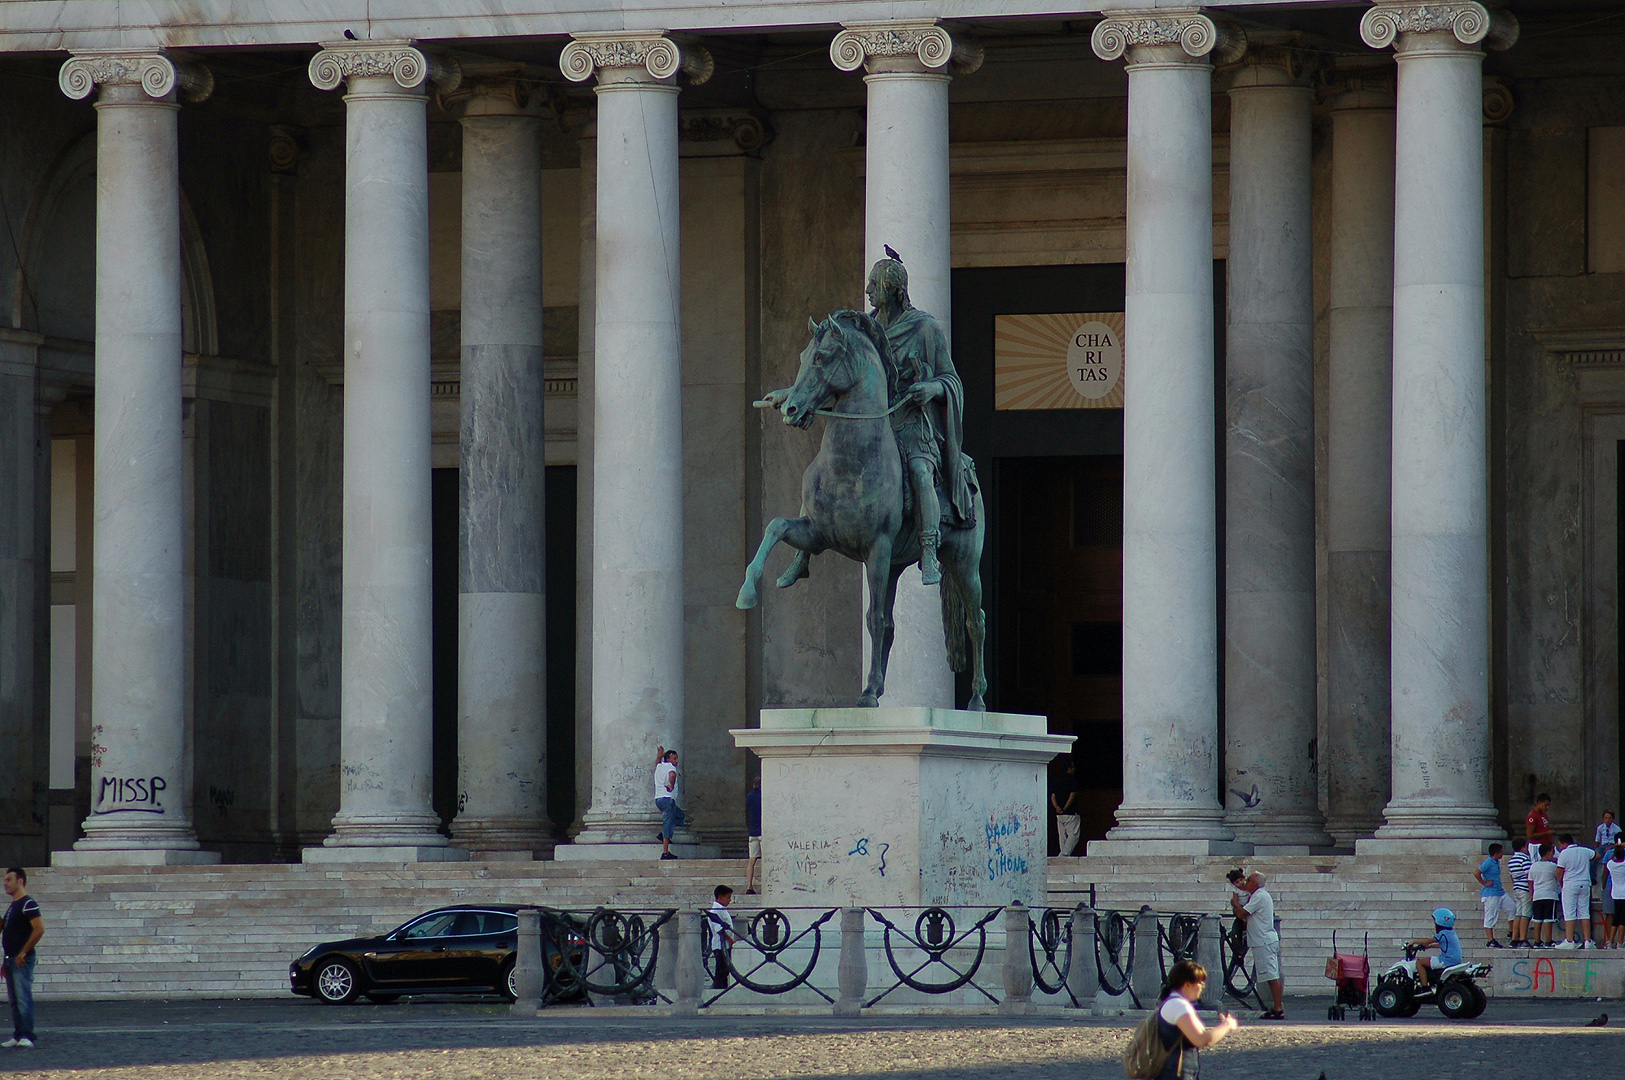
(1574, 879)
(1263, 943)
(1493, 896)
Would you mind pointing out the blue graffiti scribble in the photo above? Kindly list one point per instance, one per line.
(883, 847)
(861, 847)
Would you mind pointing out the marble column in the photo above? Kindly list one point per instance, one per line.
(386, 735)
(637, 572)
(1361, 322)
(1270, 790)
(1439, 568)
(501, 688)
(587, 196)
(907, 68)
(138, 731)
(1170, 593)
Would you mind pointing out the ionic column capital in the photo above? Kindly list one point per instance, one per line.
(410, 67)
(898, 45)
(1272, 64)
(624, 53)
(1388, 22)
(1362, 88)
(159, 75)
(494, 95)
(1198, 35)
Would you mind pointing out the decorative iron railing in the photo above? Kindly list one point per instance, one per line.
(766, 940)
(934, 936)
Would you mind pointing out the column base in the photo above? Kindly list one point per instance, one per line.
(80, 858)
(1185, 824)
(1113, 848)
(383, 853)
(1348, 831)
(516, 838)
(1279, 831)
(1451, 821)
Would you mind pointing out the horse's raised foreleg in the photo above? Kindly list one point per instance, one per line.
(882, 587)
(798, 565)
(797, 532)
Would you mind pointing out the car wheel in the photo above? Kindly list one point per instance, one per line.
(336, 982)
(1392, 1000)
(384, 999)
(1456, 1000)
(509, 982)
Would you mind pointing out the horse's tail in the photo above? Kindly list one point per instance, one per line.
(955, 623)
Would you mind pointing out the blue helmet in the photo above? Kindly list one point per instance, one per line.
(1444, 917)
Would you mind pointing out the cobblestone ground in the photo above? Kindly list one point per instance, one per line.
(465, 1040)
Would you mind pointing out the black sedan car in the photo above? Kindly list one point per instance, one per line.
(466, 949)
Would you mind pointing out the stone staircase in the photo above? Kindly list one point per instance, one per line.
(230, 931)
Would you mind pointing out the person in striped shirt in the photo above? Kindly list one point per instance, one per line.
(1523, 907)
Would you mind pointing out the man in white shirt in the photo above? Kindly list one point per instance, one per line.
(1263, 943)
(1574, 879)
(671, 812)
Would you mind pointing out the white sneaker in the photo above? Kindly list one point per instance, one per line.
(1588, 945)
(25, 1044)
(1565, 945)
(9, 1043)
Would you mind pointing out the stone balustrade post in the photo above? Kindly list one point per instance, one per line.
(1170, 598)
(907, 67)
(854, 969)
(637, 441)
(1018, 962)
(1146, 978)
(139, 784)
(1210, 954)
(528, 973)
(1439, 567)
(690, 963)
(1083, 975)
(501, 687)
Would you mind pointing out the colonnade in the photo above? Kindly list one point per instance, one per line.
(1416, 254)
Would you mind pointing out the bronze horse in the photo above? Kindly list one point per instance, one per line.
(852, 497)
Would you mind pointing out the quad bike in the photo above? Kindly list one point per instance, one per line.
(1454, 989)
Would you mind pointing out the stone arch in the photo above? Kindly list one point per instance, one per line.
(61, 195)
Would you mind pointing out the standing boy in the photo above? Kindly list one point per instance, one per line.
(20, 931)
(1493, 896)
(1545, 892)
(1607, 833)
(721, 922)
(1518, 866)
(1537, 826)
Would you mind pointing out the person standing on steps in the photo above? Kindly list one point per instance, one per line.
(1546, 894)
(671, 812)
(20, 931)
(1518, 864)
(1574, 881)
(753, 830)
(1493, 896)
(1263, 943)
(1537, 826)
(1063, 799)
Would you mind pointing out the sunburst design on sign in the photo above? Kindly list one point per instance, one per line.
(1070, 361)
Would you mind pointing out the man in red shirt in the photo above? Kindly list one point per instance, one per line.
(1537, 826)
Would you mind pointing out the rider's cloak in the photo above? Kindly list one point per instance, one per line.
(919, 349)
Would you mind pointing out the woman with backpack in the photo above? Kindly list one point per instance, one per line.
(1157, 1049)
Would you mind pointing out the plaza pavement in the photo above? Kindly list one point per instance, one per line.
(472, 1040)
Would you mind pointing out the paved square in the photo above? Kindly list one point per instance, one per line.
(459, 1040)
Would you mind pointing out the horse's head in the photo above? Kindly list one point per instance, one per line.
(826, 373)
(834, 362)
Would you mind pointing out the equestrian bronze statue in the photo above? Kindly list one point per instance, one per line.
(890, 486)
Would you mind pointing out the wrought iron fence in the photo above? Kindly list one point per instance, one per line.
(603, 952)
(767, 937)
(935, 936)
(1051, 935)
(1114, 953)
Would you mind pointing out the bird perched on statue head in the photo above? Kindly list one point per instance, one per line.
(891, 254)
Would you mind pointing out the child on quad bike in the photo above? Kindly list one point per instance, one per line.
(1444, 937)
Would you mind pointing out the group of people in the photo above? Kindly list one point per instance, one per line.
(673, 816)
(1552, 879)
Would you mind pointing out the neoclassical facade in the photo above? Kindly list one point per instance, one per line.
(376, 395)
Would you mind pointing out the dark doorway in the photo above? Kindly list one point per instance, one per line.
(561, 642)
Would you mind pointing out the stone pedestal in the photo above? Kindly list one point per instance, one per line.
(903, 807)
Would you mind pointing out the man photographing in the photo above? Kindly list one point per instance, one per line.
(1263, 943)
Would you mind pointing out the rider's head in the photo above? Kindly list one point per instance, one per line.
(889, 280)
(1444, 918)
